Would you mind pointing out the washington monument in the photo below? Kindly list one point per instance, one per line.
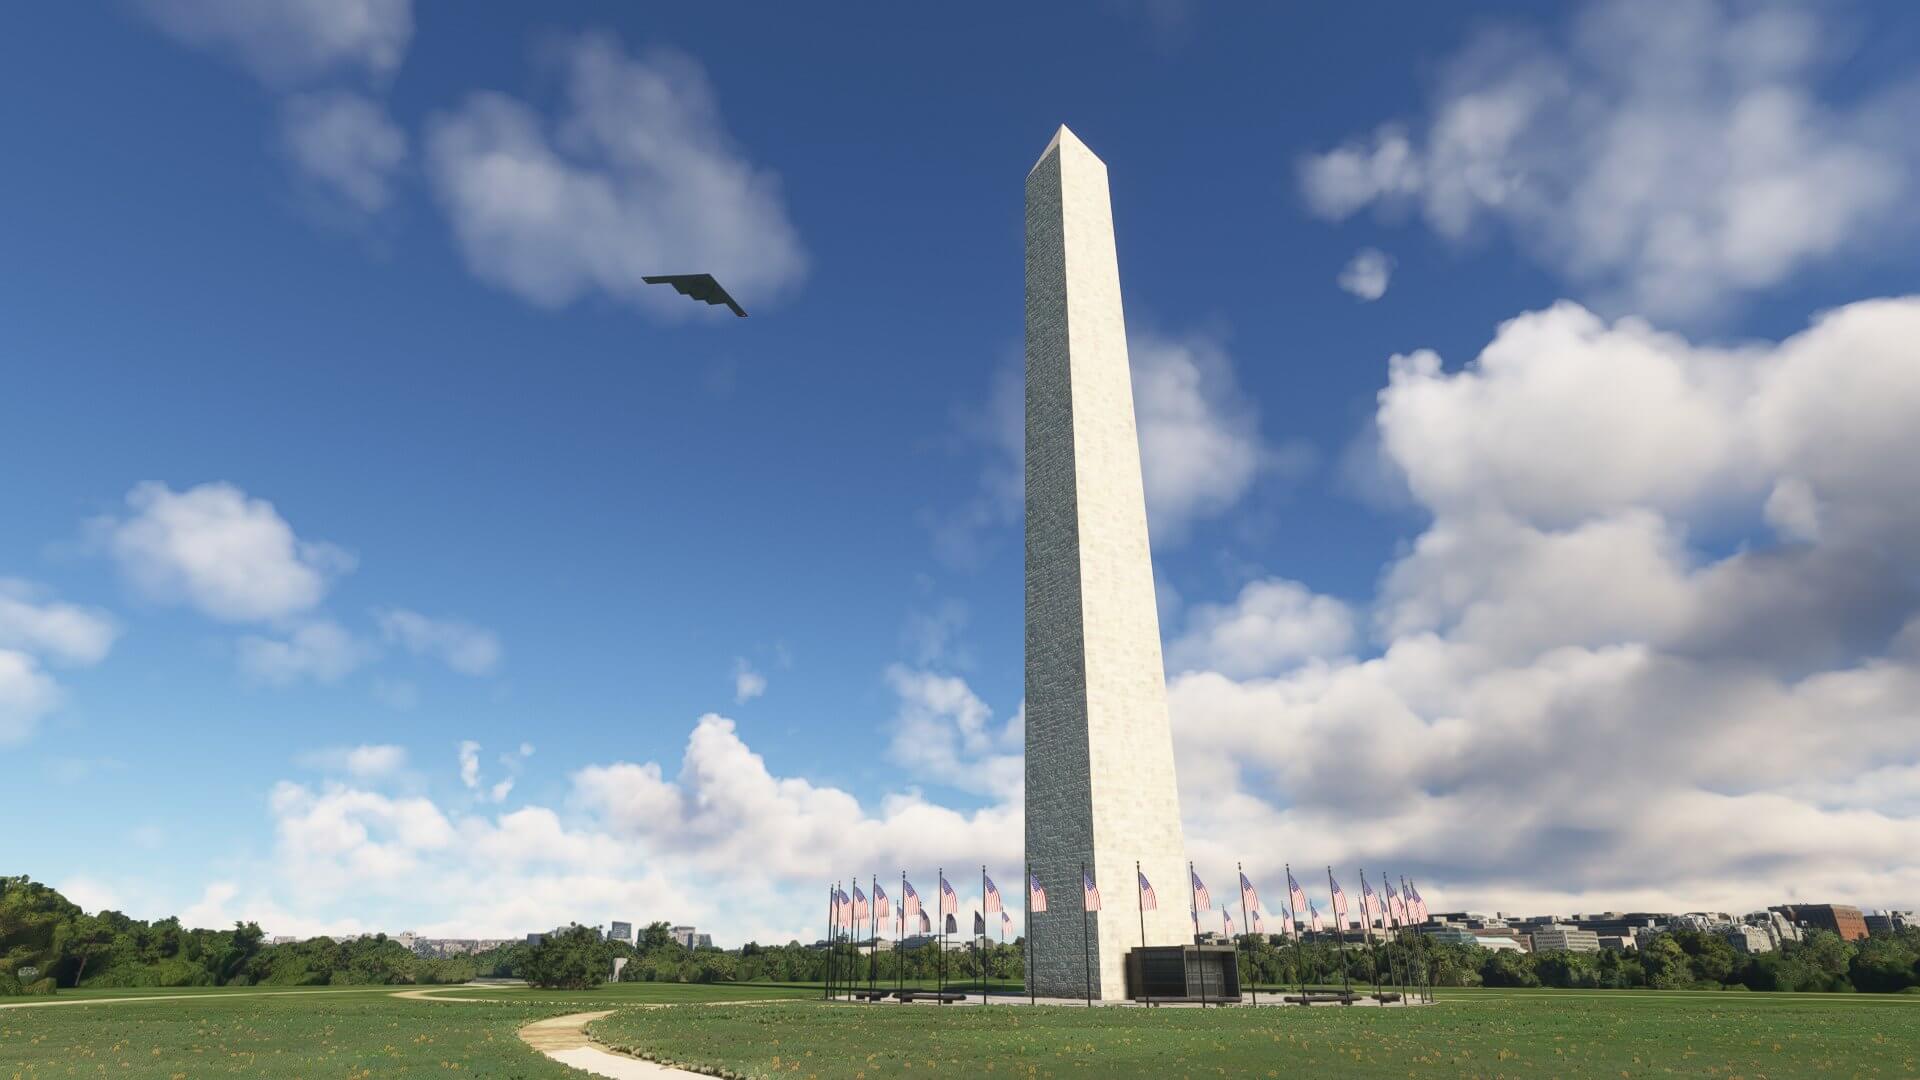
(1100, 783)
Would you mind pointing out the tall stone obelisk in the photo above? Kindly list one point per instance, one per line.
(1100, 782)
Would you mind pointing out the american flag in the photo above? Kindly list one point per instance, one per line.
(882, 907)
(859, 905)
(910, 900)
(1036, 896)
(1226, 917)
(1419, 902)
(949, 902)
(1295, 893)
(1313, 914)
(979, 925)
(1369, 903)
(952, 926)
(992, 891)
(1148, 901)
(1286, 922)
(1258, 926)
(1201, 897)
(842, 908)
(1006, 922)
(1396, 912)
(1247, 895)
(926, 924)
(1339, 899)
(1092, 899)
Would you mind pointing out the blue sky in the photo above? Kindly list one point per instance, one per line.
(343, 436)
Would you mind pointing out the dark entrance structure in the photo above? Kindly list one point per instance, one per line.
(1180, 973)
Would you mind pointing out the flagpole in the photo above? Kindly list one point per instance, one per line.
(1393, 923)
(1199, 957)
(1086, 954)
(983, 933)
(899, 945)
(1140, 900)
(1299, 947)
(1339, 935)
(1420, 973)
(1246, 925)
(1415, 953)
(940, 899)
(1366, 922)
(1033, 990)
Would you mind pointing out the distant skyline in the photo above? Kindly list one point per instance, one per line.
(1526, 394)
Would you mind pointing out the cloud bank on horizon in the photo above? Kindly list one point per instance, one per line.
(1656, 642)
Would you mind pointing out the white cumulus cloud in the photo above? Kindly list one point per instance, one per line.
(943, 731)
(1569, 702)
(747, 683)
(290, 41)
(217, 549)
(462, 646)
(322, 651)
(1366, 274)
(637, 176)
(26, 694)
(347, 143)
(1201, 448)
(65, 633)
(1670, 157)
(1272, 626)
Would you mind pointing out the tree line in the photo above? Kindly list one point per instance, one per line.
(1673, 960)
(47, 943)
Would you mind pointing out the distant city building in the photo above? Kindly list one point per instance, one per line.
(1616, 942)
(1842, 919)
(1748, 939)
(620, 931)
(1706, 922)
(685, 935)
(406, 938)
(1562, 938)
(1620, 924)
(535, 939)
(1778, 927)
(442, 948)
(1460, 935)
(1887, 922)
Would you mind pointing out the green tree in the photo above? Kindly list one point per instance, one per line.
(572, 959)
(1508, 967)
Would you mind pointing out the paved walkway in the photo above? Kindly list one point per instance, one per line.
(564, 1039)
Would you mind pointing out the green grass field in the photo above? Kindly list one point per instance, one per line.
(1469, 1034)
(359, 1033)
(362, 1033)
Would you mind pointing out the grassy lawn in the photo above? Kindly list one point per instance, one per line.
(1469, 1034)
(357, 1033)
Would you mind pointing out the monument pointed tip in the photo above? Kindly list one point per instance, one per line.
(1064, 136)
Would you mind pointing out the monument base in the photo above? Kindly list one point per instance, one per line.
(1183, 973)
